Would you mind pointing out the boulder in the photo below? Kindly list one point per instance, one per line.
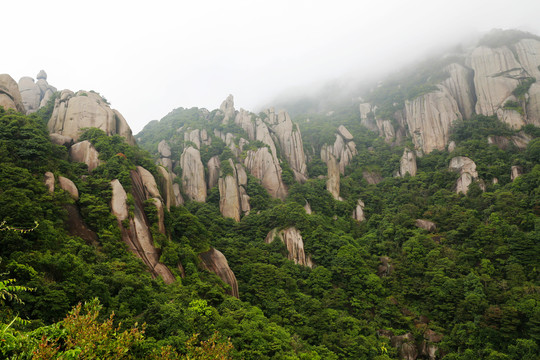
(307, 207)
(292, 239)
(61, 140)
(10, 97)
(261, 164)
(193, 181)
(467, 170)
(426, 225)
(69, 186)
(451, 146)
(49, 181)
(119, 205)
(164, 149)
(74, 112)
(345, 134)
(85, 152)
(214, 261)
(35, 95)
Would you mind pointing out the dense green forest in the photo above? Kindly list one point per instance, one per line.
(474, 281)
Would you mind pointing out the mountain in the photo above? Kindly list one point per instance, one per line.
(403, 225)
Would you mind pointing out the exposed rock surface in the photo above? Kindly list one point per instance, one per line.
(332, 182)
(166, 186)
(467, 170)
(77, 227)
(426, 225)
(213, 171)
(68, 185)
(307, 207)
(343, 149)
(229, 196)
(193, 181)
(429, 118)
(261, 164)
(10, 97)
(292, 239)
(452, 146)
(358, 212)
(35, 95)
(214, 261)
(290, 142)
(75, 111)
(460, 85)
(533, 104)
(85, 152)
(61, 140)
(48, 179)
(407, 164)
(137, 234)
(227, 107)
(516, 172)
(372, 177)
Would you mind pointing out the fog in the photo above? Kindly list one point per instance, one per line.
(149, 57)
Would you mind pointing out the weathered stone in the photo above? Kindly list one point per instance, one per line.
(452, 146)
(214, 261)
(149, 183)
(119, 205)
(516, 172)
(164, 149)
(193, 174)
(521, 140)
(463, 164)
(261, 164)
(292, 239)
(372, 177)
(499, 141)
(74, 112)
(30, 94)
(511, 117)
(407, 164)
(459, 86)
(227, 107)
(463, 183)
(533, 104)
(213, 171)
(61, 140)
(426, 225)
(342, 130)
(307, 207)
(10, 97)
(178, 194)
(41, 75)
(244, 200)
(85, 152)
(229, 203)
(49, 181)
(332, 183)
(358, 212)
(69, 186)
(429, 119)
(241, 175)
(166, 186)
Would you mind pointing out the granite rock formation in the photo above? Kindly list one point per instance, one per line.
(214, 261)
(292, 239)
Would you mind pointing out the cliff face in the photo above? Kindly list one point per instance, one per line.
(292, 239)
(261, 164)
(75, 111)
(193, 181)
(484, 82)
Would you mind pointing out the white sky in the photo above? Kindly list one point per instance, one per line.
(149, 57)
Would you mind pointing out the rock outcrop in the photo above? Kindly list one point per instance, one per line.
(233, 196)
(166, 186)
(467, 170)
(344, 149)
(76, 111)
(429, 118)
(516, 172)
(165, 154)
(136, 232)
(292, 239)
(358, 212)
(290, 142)
(333, 180)
(214, 166)
(48, 179)
(10, 97)
(214, 261)
(426, 225)
(68, 185)
(261, 164)
(227, 108)
(193, 181)
(407, 164)
(85, 152)
(372, 177)
(35, 94)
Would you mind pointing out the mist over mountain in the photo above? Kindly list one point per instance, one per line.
(387, 214)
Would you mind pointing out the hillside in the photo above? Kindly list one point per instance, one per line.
(403, 226)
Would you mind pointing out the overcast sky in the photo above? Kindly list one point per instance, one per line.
(149, 57)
